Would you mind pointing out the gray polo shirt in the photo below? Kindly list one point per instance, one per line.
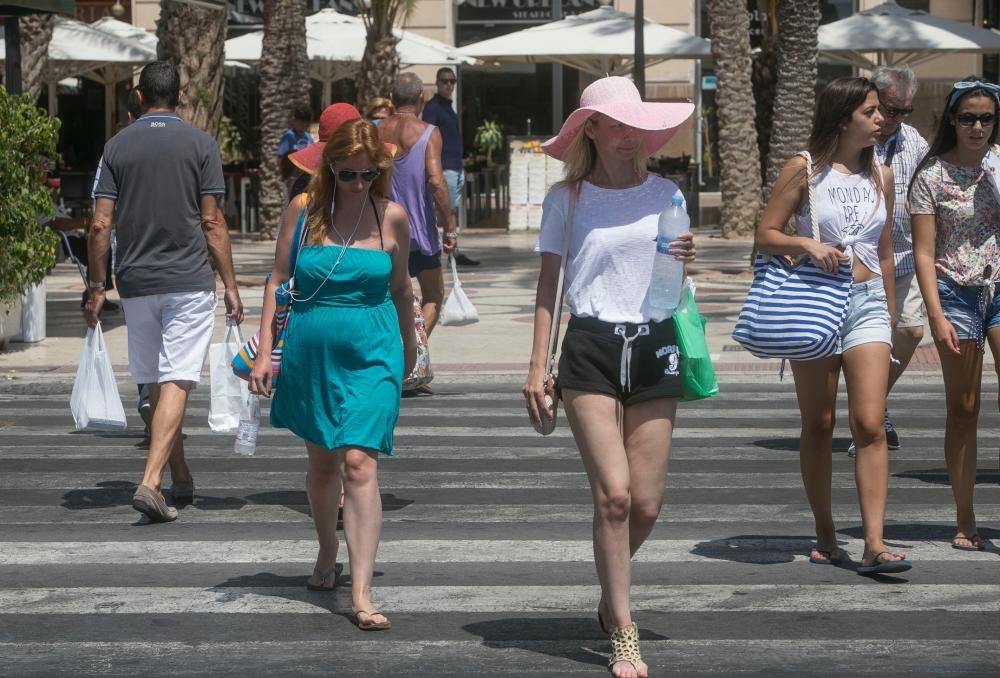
(156, 170)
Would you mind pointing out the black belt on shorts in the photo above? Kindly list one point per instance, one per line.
(629, 332)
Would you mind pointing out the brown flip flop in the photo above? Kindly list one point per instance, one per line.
(370, 625)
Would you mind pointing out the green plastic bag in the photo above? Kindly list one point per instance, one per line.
(697, 373)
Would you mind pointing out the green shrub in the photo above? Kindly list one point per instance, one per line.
(28, 138)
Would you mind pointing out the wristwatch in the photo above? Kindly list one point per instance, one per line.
(91, 285)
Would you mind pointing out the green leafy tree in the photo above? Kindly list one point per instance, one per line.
(28, 138)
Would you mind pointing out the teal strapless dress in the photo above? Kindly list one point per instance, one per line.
(342, 364)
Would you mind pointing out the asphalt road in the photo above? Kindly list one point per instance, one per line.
(485, 567)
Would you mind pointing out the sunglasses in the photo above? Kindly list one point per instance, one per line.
(893, 113)
(970, 120)
(959, 89)
(352, 175)
(448, 81)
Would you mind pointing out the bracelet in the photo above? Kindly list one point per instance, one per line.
(91, 285)
(450, 235)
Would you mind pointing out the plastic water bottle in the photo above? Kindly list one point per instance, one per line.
(246, 434)
(668, 273)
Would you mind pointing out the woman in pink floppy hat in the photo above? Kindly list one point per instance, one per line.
(618, 370)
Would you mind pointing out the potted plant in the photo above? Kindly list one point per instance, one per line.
(28, 138)
(489, 137)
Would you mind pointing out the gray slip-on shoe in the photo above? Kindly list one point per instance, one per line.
(151, 504)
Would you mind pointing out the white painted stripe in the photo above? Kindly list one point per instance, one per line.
(494, 513)
(508, 657)
(682, 598)
(566, 450)
(398, 480)
(721, 414)
(987, 436)
(763, 550)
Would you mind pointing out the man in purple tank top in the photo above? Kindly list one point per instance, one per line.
(418, 185)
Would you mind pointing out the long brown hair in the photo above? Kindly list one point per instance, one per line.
(354, 137)
(834, 108)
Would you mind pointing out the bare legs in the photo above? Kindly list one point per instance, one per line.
(432, 296)
(362, 516)
(624, 452)
(905, 341)
(962, 385)
(166, 443)
(866, 372)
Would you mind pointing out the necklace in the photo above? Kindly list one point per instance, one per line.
(343, 248)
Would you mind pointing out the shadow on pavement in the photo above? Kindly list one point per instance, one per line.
(527, 632)
(939, 476)
(792, 444)
(757, 549)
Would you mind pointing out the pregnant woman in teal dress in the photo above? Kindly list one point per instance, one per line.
(350, 340)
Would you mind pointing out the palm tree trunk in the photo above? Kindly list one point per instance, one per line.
(739, 157)
(193, 38)
(36, 33)
(284, 84)
(380, 62)
(795, 96)
(764, 80)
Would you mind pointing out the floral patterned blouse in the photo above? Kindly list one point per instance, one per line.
(967, 220)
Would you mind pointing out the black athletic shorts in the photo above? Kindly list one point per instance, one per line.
(595, 359)
(420, 262)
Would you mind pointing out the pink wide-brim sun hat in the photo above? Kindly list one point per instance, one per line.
(618, 98)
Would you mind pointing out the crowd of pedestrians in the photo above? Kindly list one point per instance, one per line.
(914, 226)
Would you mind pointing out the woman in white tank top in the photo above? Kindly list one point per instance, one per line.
(854, 216)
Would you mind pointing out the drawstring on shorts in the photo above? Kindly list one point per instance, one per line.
(626, 367)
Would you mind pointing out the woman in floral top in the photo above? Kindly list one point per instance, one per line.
(956, 245)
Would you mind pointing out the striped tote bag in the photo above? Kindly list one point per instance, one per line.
(243, 362)
(794, 311)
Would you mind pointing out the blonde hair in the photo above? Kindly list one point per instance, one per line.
(581, 159)
(377, 103)
(353, 138)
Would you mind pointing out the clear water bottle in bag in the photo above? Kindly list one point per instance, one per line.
(246, 434)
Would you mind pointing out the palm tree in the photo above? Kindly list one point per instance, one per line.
(795, 96)
(193, 38)
(764, 79)
(380, 63)
(36, 32)
(739, 157)
(284, 85)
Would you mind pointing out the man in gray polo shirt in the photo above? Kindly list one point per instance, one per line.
(160, 180)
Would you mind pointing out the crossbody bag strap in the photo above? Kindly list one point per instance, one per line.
(557, 309)
(811, 196)
(298, 239)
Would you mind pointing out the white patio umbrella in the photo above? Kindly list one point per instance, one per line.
(335, 43)
(78, 49)
(598, 42)
(896, 35)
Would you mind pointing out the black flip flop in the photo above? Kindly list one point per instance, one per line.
(974, 539)
(885, 567)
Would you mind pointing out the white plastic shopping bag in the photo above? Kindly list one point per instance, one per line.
(95, 402)
(229, 392)
(458, 310)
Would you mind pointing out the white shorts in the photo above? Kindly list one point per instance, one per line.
(169, 335)
(909, 303)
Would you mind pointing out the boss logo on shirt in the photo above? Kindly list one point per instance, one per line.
(673, 359)
(155, 123)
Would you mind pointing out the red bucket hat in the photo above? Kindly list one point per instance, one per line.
(618, 98)
(335, 115)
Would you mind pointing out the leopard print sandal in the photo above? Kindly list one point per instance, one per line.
(625, 646)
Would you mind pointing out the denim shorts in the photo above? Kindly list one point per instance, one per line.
(456, 185)
(867, 320)
(962, 306)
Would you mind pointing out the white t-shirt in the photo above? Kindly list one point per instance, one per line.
(610, 261)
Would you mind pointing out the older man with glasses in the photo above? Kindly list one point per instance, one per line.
(901, 147)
